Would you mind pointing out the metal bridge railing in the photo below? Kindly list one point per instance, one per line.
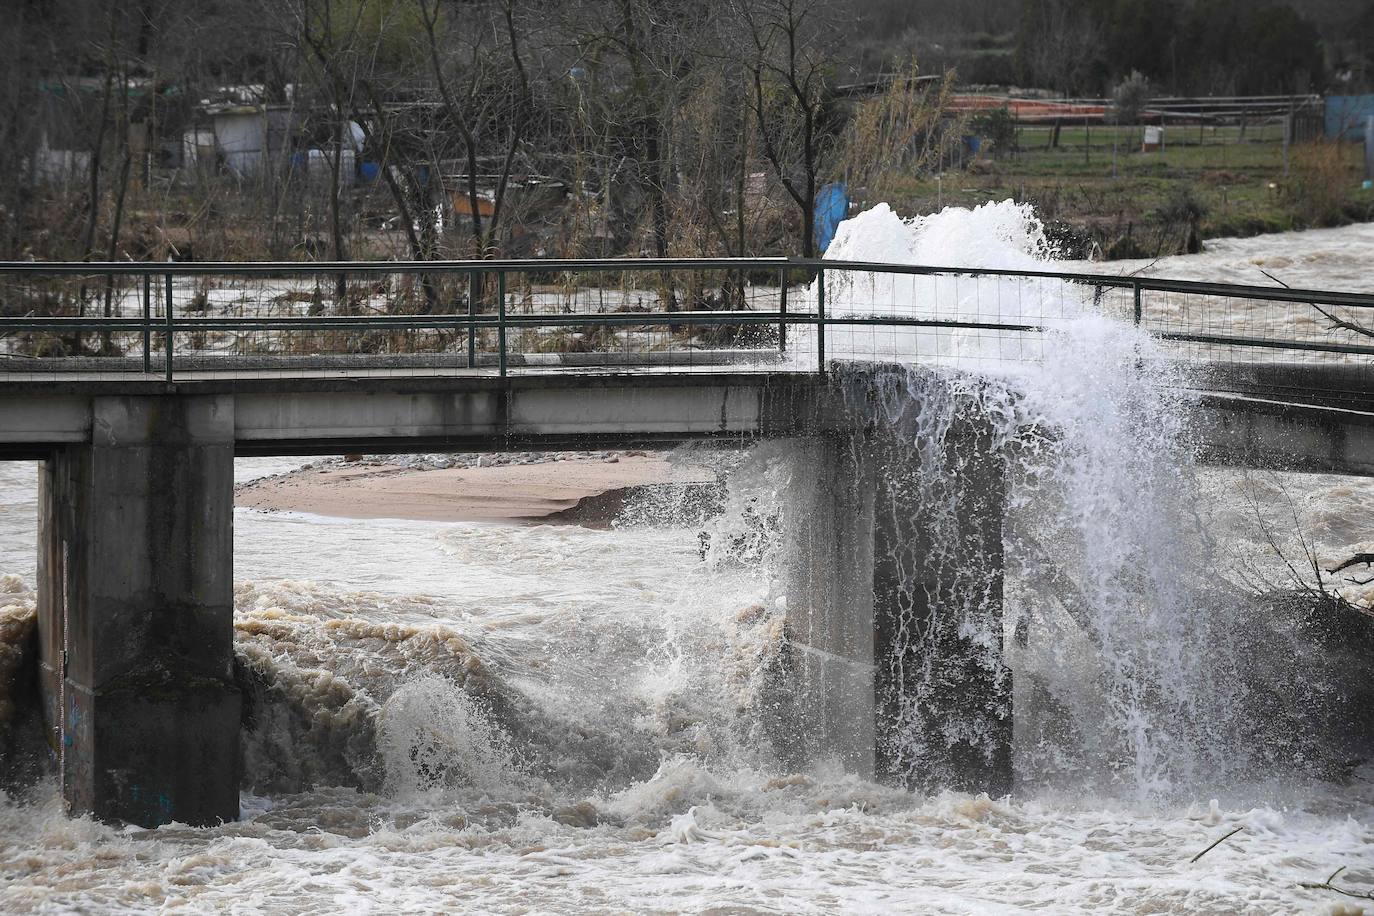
(174, 321)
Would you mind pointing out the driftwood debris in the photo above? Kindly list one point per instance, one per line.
(1337, 323)
(1328, 886)
(1358, 559)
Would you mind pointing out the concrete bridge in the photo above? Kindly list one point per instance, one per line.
(136, 508)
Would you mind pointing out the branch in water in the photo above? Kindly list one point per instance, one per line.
(1217, 843)
(1337, 324)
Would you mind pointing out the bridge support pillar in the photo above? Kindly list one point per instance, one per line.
(943, 694)
(895, 607)
(136, 612)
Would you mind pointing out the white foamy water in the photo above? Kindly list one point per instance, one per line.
(537, 718)
(1328, 259)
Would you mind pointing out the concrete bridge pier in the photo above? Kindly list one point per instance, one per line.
(895, 607)
(135, 569)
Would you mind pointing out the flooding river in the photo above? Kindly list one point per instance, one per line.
(535, 718)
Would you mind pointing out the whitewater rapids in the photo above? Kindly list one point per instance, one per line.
(536, 718)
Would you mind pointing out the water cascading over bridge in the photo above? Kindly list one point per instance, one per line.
(898, 489)
(895, 599)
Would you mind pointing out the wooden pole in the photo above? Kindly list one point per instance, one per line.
(1287, 136)
(1369, 147)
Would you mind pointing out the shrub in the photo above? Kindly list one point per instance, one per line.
(997, 127)
(1320, 183)
(1130, 98)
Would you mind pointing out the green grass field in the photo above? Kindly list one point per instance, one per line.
(1125, 202)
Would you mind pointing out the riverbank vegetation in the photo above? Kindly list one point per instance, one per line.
(425, 129)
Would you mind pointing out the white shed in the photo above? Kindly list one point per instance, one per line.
(241, 137)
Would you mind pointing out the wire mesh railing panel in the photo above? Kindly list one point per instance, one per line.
(87, 321)
(973, 320)
(317, 323)
(1286, 348)
(697, 319)
(1230, 326)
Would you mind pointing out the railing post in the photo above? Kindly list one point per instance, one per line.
(1136, 287)
(147, 324)
(170, 331)
(474, 278)
(501, 321)
(820, 320)
(782, 311)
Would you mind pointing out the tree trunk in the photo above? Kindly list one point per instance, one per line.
(336, 219)
(93, 200)
(124, 168)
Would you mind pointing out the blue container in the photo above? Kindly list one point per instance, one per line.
(369, 171)
(832, 208)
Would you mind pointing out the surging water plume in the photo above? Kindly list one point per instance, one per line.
(317, 684)
(1004, 235)
(22, 751)
(570, 682)
(1118, 626)
(433, 735)
(1114, 645)
(1001, 236)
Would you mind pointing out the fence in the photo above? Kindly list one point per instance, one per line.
(1188, 121)
(172, 322)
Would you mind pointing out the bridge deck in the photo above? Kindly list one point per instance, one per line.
(332, 412)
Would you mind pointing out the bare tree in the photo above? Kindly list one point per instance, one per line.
(18, 117)
(637, 58)
(1060, 42)
(785, 58)
(346, 40)
(486, 97)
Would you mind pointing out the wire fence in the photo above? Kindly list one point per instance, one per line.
(178, 322)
